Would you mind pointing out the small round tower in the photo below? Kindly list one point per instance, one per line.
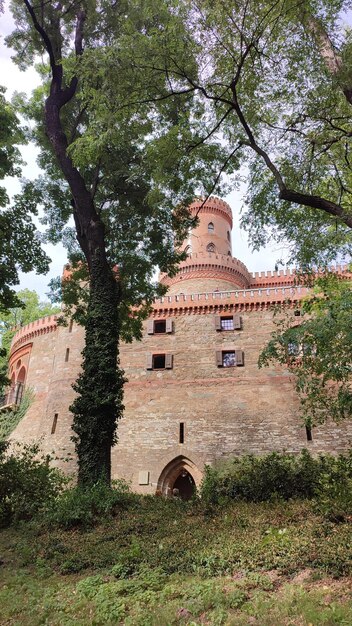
(210, 265)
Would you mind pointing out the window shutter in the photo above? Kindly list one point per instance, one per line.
(218, 357)
(169, 325)
(149, 365)
(217, 322)
(150, 327)
(168, 361)
(237, 322)
(239, 357)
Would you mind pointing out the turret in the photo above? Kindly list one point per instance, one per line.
(213, 232)
(210, 265)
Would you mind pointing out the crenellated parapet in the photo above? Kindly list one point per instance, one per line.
(208, 265)
(213, 205)
(287, 277)
(233, 301)
(27, 333)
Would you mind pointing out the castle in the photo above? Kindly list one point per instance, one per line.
(194, 392)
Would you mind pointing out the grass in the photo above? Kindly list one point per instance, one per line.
(166, 562)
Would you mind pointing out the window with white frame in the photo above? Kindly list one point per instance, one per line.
(228, 322)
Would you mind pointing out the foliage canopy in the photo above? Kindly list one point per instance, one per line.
(318, 351)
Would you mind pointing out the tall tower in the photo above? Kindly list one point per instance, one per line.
(210, 265)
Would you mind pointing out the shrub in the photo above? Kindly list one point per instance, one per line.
(275, 475)
(334, 490)
(27, 483)
(84, 507)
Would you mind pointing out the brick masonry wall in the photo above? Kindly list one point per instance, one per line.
(201, 285)
(51, 377)
(224, 410)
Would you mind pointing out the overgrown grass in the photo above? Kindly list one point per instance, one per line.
(106, 556)
(157, 562)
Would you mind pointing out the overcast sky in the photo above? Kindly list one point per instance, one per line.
(14, 80)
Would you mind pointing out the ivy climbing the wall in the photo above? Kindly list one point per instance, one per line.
(10, 419)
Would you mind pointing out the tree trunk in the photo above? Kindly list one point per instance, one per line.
(99, 386)
(98, 405)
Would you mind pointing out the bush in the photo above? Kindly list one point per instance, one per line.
(334, 491)
(285, 476)
(84, 507)
(27, 483)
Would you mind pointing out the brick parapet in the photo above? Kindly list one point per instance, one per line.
(288, 277)
(213, 205)
(238, 300)
(254, 297)
(210, 265)
(26, 334)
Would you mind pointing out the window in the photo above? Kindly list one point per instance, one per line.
(159, 327)
(228, 322)
(293, 348)
(229, 253)
(211, 227)
(67, 355)
(228, 235)
(308, 349)
(229, 358)
(53, 428)
(188, 249)
(181, 437)
(211, 247)
(159, 361)
(70, 326)
(297, 313)
(309, 433)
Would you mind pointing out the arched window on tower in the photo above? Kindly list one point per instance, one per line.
(188, 250)
(228, 235)
(211, 227)
(211, 247)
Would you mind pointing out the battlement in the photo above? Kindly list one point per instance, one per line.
(219, 266)
(212, 205)
(39, 327)
(239, 299)
(289, 276)
(272, 274)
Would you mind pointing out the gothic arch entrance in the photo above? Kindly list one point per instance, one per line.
(180, 474)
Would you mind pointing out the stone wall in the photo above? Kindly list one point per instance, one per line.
(224, 411)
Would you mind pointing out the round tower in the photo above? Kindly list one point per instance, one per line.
(210, 265)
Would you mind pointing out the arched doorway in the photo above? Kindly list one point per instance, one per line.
(181, 475)
(184, 486)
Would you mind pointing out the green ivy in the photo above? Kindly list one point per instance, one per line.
(98, 405)
(10, 419)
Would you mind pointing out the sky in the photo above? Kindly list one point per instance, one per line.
(15, 80)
